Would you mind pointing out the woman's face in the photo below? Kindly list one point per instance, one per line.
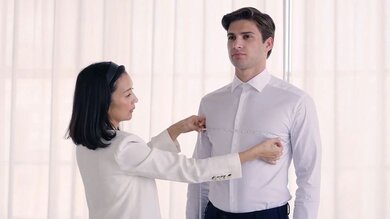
(122, 101)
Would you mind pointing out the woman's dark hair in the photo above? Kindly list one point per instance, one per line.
(263, 21)
(90, 125)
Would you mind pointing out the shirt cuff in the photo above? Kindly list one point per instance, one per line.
(163, 141)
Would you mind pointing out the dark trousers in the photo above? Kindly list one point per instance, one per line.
(281, 212)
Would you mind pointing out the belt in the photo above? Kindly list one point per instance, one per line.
(215, 213)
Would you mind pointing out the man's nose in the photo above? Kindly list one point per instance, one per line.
(237, 44)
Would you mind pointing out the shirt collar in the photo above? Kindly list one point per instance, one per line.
(258, 82)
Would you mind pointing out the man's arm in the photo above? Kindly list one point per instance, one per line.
(197, 193)
(306, 147)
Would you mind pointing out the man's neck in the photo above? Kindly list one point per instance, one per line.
(248, 74)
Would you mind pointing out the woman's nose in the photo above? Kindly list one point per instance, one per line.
(135, 100)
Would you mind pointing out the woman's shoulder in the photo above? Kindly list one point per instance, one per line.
(127, 145)
(125, 137)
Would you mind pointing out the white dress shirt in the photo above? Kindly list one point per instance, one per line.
(119, 180)
(241, 115)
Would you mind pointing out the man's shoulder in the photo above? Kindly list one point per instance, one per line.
(289, 92)
(286, 88)
(218, 93)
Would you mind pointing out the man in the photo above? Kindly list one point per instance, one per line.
(256, 106)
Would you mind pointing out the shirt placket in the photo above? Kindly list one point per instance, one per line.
(236, 143)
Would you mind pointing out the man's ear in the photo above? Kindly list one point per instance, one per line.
(269, 43)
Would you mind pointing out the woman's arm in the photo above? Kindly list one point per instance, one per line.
(269, 150)
(135, 157)
(192, 123)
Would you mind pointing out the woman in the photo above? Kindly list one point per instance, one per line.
(118, 168)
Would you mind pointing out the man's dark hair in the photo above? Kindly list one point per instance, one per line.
(90, 125)
(263, 21)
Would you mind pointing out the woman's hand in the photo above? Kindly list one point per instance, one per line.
(269, 150)
(192, 123)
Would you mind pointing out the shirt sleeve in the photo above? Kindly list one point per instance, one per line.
(306, 147)
(135, 157)
(197, 194)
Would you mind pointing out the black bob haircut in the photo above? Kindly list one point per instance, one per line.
(263, 21)
(89, 125)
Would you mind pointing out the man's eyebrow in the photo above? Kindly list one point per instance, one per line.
(247, 32)
(242, 33)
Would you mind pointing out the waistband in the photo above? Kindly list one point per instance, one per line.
(282, 210)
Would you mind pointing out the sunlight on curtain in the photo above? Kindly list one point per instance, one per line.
(339, 53)
(175, 51)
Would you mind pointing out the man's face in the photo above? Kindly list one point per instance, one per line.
(246, 47)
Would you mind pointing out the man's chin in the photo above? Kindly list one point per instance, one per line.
(238, 63)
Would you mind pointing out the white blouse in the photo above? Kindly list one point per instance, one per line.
(119, 180)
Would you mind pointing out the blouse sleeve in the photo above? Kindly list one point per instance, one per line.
(164, 142)
(135, 157)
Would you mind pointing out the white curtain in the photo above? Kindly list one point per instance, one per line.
(175, 51)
